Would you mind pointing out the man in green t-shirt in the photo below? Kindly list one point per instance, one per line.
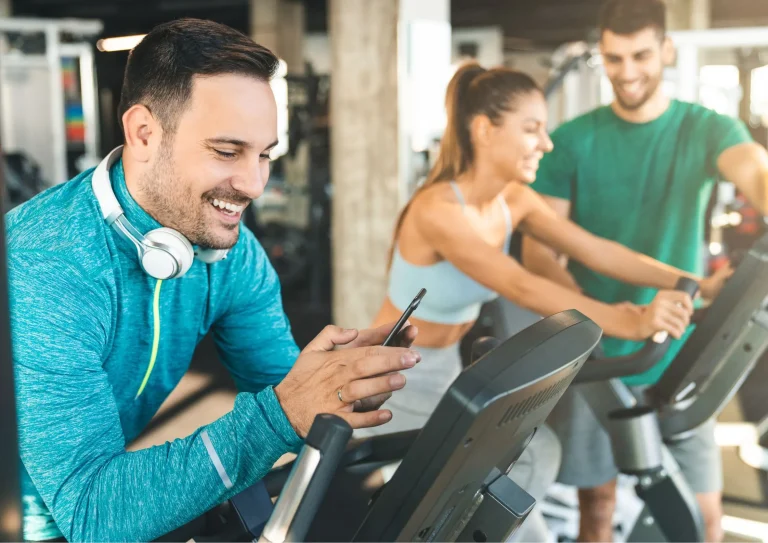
(640, 172)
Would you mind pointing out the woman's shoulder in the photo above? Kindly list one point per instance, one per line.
(439, 192)
(516, 193)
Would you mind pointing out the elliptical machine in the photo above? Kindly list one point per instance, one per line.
(451, 484)
(730, 337)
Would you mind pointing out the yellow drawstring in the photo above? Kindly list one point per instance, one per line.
(156, 338)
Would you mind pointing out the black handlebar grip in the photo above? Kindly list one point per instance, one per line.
(328, 433)
(643, 360)
(482, 346)
(688, 285)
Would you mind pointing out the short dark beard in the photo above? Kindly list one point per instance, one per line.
(170, 202)
(653, 86)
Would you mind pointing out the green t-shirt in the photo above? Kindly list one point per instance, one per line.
(644, 185)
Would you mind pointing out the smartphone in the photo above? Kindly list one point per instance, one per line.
(404, 317)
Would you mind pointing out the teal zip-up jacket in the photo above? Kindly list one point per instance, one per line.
(83, 325)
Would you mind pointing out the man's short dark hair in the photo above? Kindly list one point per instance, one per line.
(626, 17)
(161, 68)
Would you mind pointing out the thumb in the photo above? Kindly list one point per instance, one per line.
(330, 337)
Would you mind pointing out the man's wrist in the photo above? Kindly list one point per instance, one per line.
(282, 400)
(276, 416)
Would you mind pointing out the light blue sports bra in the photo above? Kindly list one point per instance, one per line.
(452, 296)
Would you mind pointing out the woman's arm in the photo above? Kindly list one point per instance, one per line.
(544, 260)
(444, 227)
(601, 255)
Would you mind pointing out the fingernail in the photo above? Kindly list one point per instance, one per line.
(410, 359)
(397, 381)
(385, 416)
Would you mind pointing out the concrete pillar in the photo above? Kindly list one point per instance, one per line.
(291, 35)
(279, 26)
(364, 153)
(264, 23)
(689, 14)
(390, 63)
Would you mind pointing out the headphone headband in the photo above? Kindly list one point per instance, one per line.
(163, 253)
(102, 187)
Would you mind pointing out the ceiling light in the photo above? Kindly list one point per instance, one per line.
(122, 43)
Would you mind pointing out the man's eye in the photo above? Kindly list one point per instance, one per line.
(225, 154)
(265, 156)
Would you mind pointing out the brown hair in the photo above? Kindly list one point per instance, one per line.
(160, 69)
(626, 17)
(472, 91)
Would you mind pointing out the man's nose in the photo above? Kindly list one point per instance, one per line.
(251, 181)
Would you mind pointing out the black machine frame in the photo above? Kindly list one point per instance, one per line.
(452, 483)
(730, 337)
(503, 398)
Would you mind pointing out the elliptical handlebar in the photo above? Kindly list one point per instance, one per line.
(603, 369)
(308, 481)
(482, 346)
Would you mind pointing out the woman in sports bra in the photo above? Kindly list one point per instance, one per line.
(452, 239)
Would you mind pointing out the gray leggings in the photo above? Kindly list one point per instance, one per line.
(411, 407)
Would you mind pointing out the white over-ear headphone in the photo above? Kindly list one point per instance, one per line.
(163, 253)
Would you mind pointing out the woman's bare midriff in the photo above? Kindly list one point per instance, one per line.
(431, 334)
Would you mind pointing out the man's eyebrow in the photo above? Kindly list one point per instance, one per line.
(230, 141)
(271, 145)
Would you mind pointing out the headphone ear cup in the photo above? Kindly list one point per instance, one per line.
(171, 258)
(209, 256)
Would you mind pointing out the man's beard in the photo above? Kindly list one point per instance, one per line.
(170, 202)
(651, 88)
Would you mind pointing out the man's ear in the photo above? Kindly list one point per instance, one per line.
(668, 52)
(142, 132)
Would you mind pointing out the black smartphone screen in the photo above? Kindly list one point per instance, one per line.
(404, 317)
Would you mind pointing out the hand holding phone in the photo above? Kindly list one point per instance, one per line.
(404, 317)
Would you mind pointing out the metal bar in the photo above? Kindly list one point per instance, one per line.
(722, 38)
(58, 127)
(88, 86)
(276, 530)
(606, 396)
(670, 506)
(24, 61)
(30, 24)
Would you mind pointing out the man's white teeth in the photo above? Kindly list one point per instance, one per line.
(631, 87)
(221, 204)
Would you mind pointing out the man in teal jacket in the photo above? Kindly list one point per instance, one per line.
(116, 275)
(639, 172)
